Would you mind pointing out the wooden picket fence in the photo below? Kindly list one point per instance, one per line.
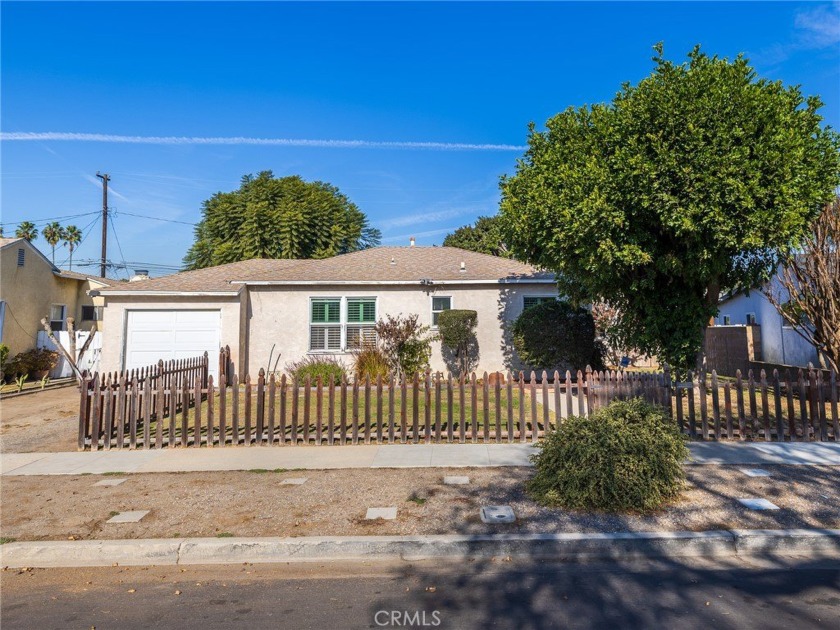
(183, 409)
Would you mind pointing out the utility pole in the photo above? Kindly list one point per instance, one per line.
(105, 179)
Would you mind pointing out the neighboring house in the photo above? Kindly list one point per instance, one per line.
(779, 342)
(315, 307)
(32, 288)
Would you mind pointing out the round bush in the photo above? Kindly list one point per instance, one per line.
(314, 367)
(625, 457)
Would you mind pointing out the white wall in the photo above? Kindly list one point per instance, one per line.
(779, 343)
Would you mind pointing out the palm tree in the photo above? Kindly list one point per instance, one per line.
(27, 230)
(72, 237)
(53, 233)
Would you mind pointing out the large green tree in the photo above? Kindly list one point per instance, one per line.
(687, 184)
(485, 237)
(285, 217)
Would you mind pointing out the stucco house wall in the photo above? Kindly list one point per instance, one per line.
(278, 317)
(28, 292)
(116, 316)
(779, 343)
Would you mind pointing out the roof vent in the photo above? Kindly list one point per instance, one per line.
(140, 274)
(411, 242)
(463, 267)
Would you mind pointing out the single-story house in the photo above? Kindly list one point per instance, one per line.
(32, 287)
(315, 307)
(778, 342)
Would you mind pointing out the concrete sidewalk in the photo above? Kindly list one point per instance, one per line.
(373, 456)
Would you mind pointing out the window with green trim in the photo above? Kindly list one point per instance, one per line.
(361, 322)
(325, 324)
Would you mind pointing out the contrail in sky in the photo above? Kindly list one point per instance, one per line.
(24, 136)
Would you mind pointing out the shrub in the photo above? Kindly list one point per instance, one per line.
(556, 335)
(315, 366)
(4, 354)
(370, 362)
(32, 361)
(624, 457)
(457, 332)
(406, 344)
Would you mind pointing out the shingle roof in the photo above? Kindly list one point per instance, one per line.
(75, 275)
(376, 265)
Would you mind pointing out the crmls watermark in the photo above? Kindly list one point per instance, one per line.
(406, 618)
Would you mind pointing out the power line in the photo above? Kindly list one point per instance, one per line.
(85, 232)
(38, 222)
(117, 239)
(144, 216)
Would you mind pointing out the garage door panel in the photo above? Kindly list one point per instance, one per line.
(169, 335)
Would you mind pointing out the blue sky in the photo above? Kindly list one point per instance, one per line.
(452, 74)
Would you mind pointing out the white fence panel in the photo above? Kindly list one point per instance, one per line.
(90, 360)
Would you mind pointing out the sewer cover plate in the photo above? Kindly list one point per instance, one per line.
(455, 480)
(754, 472)
(497, 514)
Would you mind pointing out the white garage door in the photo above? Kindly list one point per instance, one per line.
(155, 335)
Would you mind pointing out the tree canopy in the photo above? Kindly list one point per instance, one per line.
(485, 237)
(689, 183)
(285, 217)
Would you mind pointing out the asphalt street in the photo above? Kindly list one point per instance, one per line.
(799, 593)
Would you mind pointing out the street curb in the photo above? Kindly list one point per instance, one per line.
(173, 551)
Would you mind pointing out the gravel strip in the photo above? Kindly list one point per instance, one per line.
(334, 502)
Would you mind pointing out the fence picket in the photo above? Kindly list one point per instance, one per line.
(121, 415)
(692, 419)
(462, 411)
(534, 418)
(835, 420)
(790, 407)
(752, 425)
(803, 407)
(814, 408)
(367, 409)
(343, 417)
(379, 414)
(403, 410)
(485, 391)
(211, 411)
(727, 401)
(580, 394)
(355, 417)
(96, 410)
(427, 410)
(509, 389)
(234, 410)
(319, 411)
(764, 406)
(497, 391)
(185, 411)
(247, 431)
(739, 398)
(521, 389)
(197, 412)
(821, 408)
(272, 409)
(293, 419)
(716, 405)
(147, 412)
(704, 414)
(392, 385)
(260, 428)
(777, 398)
(473, 409)
(450, 429)
(331, 412)
(546, 424)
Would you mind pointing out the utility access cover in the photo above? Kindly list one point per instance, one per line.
(497, 514)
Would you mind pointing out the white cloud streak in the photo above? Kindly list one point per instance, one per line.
(60, 136)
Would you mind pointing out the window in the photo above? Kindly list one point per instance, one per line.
(751, 319)
(334, 329)
(533, 300)
(727, 320)
(361, 319)
(440, 304)
(91, 313)
(21, 257)
(57, 316)
(325, 324)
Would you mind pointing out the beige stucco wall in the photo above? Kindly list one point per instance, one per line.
(29, 291)
(280, 315)
(116, 307)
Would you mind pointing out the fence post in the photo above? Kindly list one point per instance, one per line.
(205, 372)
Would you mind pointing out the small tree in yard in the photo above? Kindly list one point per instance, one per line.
(608, 335)
(457, 332)
(406, 344)
(690, 183)
(807, 290)
(556, 335)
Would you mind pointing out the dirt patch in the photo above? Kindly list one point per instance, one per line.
(334, 502)
(45, 421)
